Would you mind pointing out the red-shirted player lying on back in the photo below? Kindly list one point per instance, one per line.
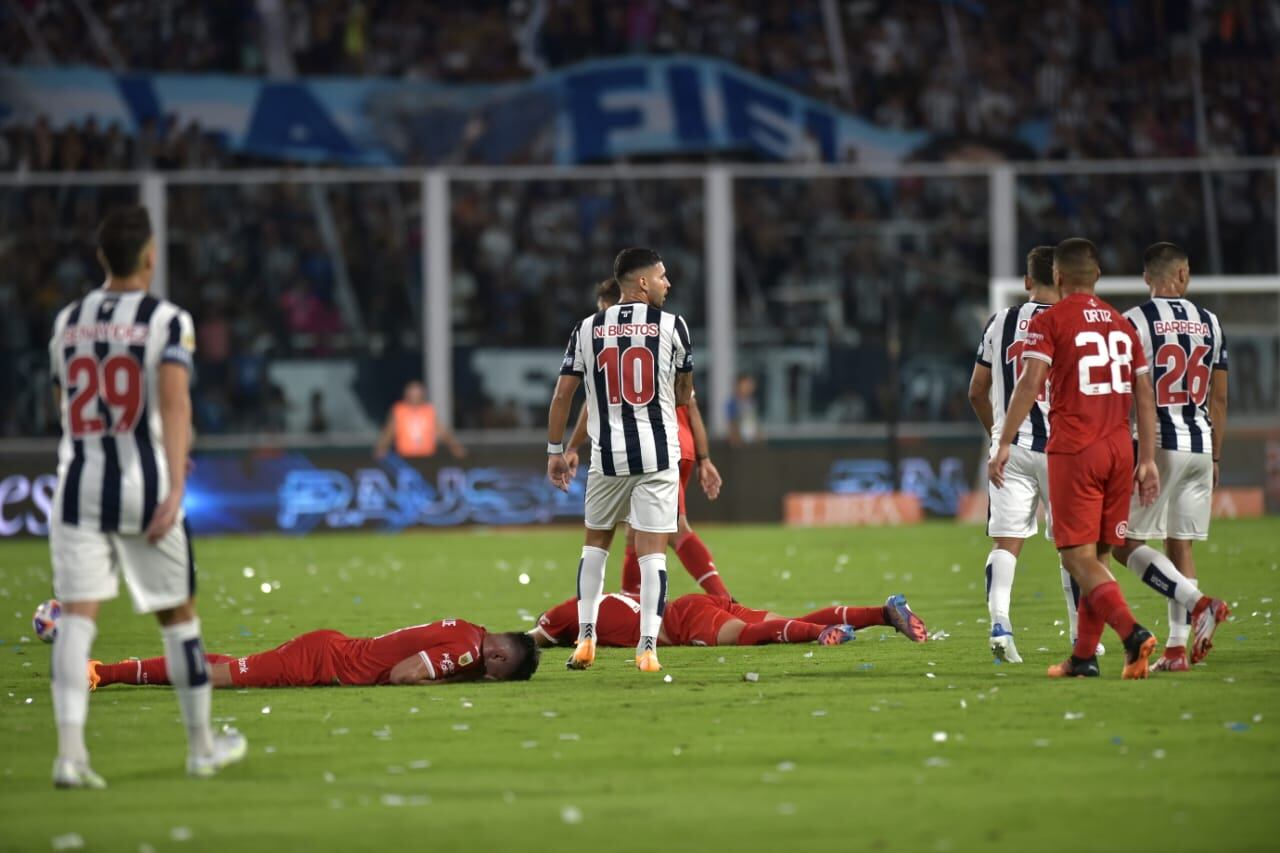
(436, 653)
(709, 620)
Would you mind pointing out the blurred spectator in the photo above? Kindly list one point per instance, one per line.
(412, 430)
(743, 412)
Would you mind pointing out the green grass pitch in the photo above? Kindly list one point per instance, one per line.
(880, 744)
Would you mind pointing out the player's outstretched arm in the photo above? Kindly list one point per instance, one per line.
(1146, 476)
(557, 420)
(413, 670)
(1218, 416)
(175, 417)
(980, 397)
(1029, 384)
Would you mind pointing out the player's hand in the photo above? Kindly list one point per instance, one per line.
(166, 515)
(1215, 475)
(571, 456)
(1147, 479)
(558, 471)
(709, 479)
(995, 468)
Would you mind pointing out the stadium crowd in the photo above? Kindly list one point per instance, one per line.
(832, 268)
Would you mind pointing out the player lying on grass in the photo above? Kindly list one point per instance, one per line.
(709, 620)
(436, 653)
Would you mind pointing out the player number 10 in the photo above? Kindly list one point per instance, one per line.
(628, 374)
(1115, 351)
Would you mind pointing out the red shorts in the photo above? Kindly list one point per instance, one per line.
(305, 661)
(1089, 492)
(696, 620)
(686, 471)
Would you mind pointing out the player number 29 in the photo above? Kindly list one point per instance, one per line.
(115, 384)
(628, 374)
(1114, 351)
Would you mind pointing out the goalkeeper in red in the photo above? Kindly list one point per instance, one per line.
(436, 653)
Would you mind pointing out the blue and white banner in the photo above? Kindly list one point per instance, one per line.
(591, 112)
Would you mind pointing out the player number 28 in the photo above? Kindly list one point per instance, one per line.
(1114, 351)
(117, 382)
(628, 374)
(1176, 364)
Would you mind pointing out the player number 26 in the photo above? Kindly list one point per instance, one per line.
(1114, 351)
(628, 374)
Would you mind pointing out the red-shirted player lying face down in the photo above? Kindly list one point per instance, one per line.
(709, 620)
(435, 653)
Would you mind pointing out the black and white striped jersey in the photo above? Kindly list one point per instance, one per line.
(1001, 350)
(1184, 344)
(628, 356)
(106, 352)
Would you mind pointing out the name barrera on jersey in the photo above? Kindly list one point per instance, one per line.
(1001, 351)
(632, 351)
(105, 354)
(1184, 344)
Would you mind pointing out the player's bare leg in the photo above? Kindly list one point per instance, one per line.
(595, 553)
(1101, 603)
(1001, 563)
(652, 550)
(189, 674)
(69, 664)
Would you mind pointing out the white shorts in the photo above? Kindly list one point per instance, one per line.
(648, 502)
(1185, 503)
(1012, 510)
(87, 565)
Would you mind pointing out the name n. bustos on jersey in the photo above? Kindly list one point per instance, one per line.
(1184, 344)
(105, 354)
(632, 352)
(1001, 352)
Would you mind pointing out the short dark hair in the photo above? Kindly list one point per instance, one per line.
(532, 655)
(630, 260)
(121, 237)
(1040, 265)
(609, 290)
(1159, 256)
(1074, 254)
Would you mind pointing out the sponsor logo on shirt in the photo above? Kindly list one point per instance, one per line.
(447, 666)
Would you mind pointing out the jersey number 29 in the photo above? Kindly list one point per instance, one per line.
(1114, 351)
(115, 382)
(628, 374)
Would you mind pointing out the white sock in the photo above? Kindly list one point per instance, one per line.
(1158, 572)
(1000, 566)
(69, 676)
(590, 589)
(189, 675)
(1071, 593)
(1180, 620)
(653, 596)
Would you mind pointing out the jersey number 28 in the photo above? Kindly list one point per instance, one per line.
(115, 382)
(628, 374)
(1115, 351)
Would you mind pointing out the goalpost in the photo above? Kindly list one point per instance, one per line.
(1131, 290)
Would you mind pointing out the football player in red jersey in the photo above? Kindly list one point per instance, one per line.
(711, 620)
(437, 653)
(694, 452)
(1096, 369)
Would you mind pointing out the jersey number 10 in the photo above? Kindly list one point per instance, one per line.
(1114, 351)
(628, 374)
(115, 383)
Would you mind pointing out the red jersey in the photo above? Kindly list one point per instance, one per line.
(1093, 355)
(686, 434)
(448, 647)
(617, 625)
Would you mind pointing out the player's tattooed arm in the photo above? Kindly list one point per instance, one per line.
(557, 420)
(684, 388)
(1147, 476)
(980, 397)
(1218, 416)
(708, 474)
(575, 441)
(1024, 397)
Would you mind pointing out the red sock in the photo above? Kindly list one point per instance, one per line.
(696, 557)
(779, 631)
(148, 671)
(1108, 602)
(631, 572)
(858, 617)
(1088, 630)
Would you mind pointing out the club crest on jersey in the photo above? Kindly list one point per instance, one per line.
(1122, 529)
(465, 659)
